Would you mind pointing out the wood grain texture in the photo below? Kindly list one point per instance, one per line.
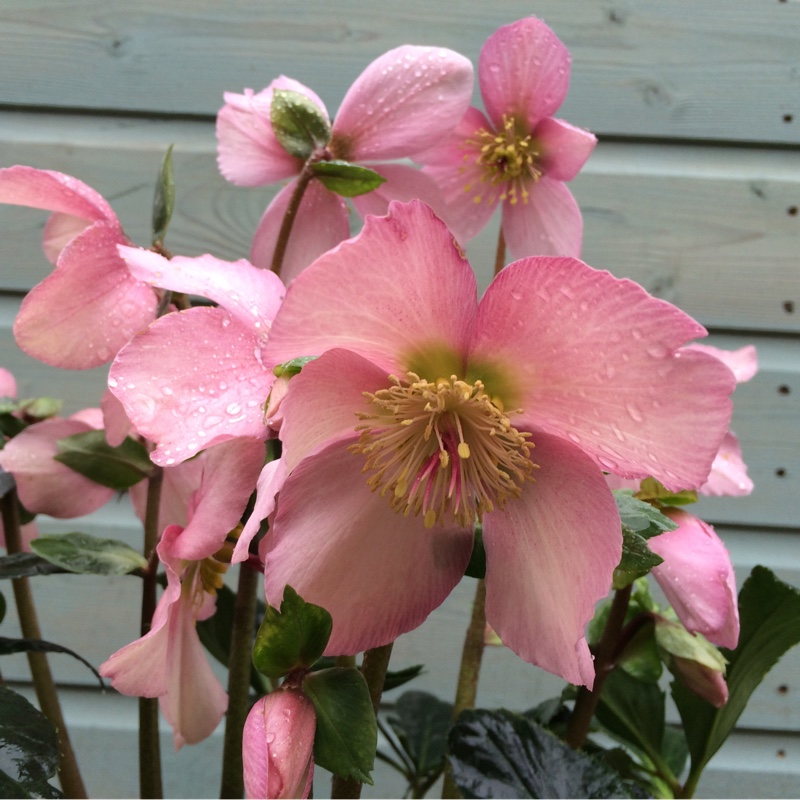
(672, 68)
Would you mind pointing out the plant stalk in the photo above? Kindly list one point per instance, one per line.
(500, 252)
(303, 179)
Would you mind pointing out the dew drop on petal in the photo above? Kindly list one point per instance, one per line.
(634, 412)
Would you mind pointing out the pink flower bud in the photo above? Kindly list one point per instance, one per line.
(704, 681)
(278, 746)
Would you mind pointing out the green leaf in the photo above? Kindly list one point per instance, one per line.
(292, 367)
(769, 614)
(477, 560)
(26, 565)
(2, 607)
(399, 677)
(28, 748)
(500, 754)
(88, 555)
(164, 199)
(421, 723)
(640, 517)
(299, 123)
(652, 491)
(292, 638)
(346, 179)
(115, 467)
(40, 408)
(637, 559)
(10, 426)
(347, 732)
(9, 646)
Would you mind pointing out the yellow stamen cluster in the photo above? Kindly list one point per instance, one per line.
(509, 158)
(206, 576)
(442, 448)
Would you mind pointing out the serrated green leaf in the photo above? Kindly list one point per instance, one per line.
(292, 367)
(421, 722)
(164, 199)
(769, 614)
(117, 468)
(25, 565)
(28, 747)
(89, 555)
(346, 179)
(500, 754)
(292, 638)
(637, 559)
(640, 517)
(299, 124)
(347, 732)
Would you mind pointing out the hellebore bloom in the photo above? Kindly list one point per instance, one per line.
(278, 746)
(221, 395)
(90, 305)
(697, 578)
(405, 99)
(520, 155)
(507, 410)
(169, 662)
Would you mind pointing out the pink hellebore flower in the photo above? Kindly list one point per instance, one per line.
(196, 378)
(507, 410)
(697, 578)
(169, 662)
(278, 746)
(404, 100)
(520, 155)
(90, 305)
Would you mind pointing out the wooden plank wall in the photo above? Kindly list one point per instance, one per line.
(693, 190)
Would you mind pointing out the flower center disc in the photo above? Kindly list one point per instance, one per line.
(442, 448)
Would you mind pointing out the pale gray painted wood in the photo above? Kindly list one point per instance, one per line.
(664, 68)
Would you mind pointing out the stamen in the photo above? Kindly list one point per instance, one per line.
(442, 448)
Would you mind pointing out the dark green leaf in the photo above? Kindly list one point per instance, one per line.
(637, 559)
(164, 200)
(9, 646)
(292, 367)
(477, 560)
(10, 426)
(26, 565)
(347, 732)
(398, 677)
(116, 467)
(421, 723)
(88, 555)
(346, 179)
(2, 607)
(641, 517)
(28, 748)
(292, 638)
(500, 754)
(299, 124)
(769, 613)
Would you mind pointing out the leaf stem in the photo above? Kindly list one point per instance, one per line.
(303, 179)
(68, 772)
(469, 673)
(500, 252)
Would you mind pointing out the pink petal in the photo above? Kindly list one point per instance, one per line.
(93, 417)
(220, 397)
(742, 362)
(321, 223)
(565, 148)
(248, 153)
(28, 533)
(698, 579)
(548, 223)
(278, 746)
(251, 295)
(420, 294)
(88, 308)
(314, 418)
(8, 384)
(115, 420)
(402, 101)
(728, 474)
(47, 486)
(269, 484)
(523, 72)
(378, 573)
(707, 683)
(596, 359)
(550, 556)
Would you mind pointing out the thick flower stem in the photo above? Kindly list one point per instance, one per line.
(150, 783)
(500, 252)
(303, 179)
(239, 663)
(68, 773)
(586, 701)
(471, 657)
(373, 668)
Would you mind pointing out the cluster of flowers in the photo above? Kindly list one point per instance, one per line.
(418, 410)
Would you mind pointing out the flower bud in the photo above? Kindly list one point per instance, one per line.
(278, 746)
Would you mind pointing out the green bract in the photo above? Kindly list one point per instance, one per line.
(299, 124)
(346, 179)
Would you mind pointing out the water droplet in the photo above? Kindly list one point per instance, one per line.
(113, 383)
(634, 412)
(516, 295)
(233, 408)
(636, 333)
(166, 390)
(575, 438)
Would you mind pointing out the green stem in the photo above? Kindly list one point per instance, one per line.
(303, 179)
(500, 252)
(239, 663)
(586, 701)
(373, 668)
(150, 782)
(68, 773)
(469, 673)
